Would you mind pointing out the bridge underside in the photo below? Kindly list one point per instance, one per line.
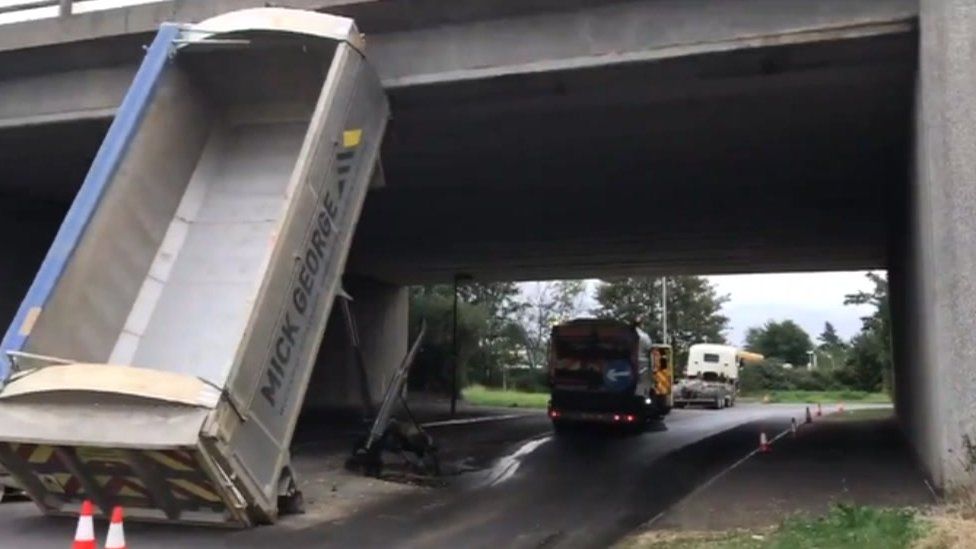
(763, 159)
(768, 159)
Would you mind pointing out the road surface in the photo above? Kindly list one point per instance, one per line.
(584, 490)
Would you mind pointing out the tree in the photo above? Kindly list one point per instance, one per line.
(499, 299)
(694, 313)
(694, 308)
(870, 363)
(547, 304)
(433, 365)
(784, 340)
(632, 300)
(833, 350)
(829, 338)
(503, 339)
(865, 366)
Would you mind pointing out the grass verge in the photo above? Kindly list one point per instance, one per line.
(844, 527)
(483, 396)
(813, 397)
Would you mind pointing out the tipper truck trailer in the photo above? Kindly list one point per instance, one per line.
(161, 356)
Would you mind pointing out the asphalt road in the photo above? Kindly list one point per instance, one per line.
(588, 489)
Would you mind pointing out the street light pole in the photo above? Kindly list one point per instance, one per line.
(664, 310)
(454, 351)
(454, 344)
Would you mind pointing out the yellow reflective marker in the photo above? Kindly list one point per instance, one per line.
(194, 489)
(29, 320)
(351, 138)
(167, 461)
(41, 454)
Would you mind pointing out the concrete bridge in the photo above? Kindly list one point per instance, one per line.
(569, 138)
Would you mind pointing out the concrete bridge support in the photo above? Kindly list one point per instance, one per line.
(936, 311)
(381, 312)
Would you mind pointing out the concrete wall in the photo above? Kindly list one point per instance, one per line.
(938, 393)
(381, 312)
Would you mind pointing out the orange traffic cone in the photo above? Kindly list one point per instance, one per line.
(85, 532)
(819, 410)
(116, 536)
(809, 417)
(763, 443)
(793, 426)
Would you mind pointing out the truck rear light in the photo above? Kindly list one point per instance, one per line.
(553, 413)
(616, 417)
(630, 418)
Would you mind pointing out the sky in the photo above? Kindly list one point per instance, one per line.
(809, 299)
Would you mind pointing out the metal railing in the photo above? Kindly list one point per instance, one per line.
(64, 6)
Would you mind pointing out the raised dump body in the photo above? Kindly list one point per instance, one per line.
(161, 356)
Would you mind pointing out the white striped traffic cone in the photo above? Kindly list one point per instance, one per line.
(763, 443)
(116, 536)
(85, 532)
(793, 426)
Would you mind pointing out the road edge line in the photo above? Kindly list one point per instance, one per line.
(701, 487)
(470, 420)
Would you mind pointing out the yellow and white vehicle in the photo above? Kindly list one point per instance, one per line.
(712, 375)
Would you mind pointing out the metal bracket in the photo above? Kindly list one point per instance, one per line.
(352, 332)
(17, 370)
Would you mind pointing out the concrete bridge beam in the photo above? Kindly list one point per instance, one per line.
(937, 373)
(381, 312)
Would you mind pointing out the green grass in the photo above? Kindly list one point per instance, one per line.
(864, 414)
(483, 396)
(812, 397)
(851, 527)
(844, 527)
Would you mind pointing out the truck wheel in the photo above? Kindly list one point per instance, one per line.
(560, 427)
(719, 402)
(293, 504)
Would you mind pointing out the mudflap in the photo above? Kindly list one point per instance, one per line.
(291, 501)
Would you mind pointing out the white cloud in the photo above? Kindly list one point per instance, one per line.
(810, 299)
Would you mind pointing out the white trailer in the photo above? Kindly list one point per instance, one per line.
(712, 375)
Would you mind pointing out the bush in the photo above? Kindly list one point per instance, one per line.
(528, 381)
(771, 376)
